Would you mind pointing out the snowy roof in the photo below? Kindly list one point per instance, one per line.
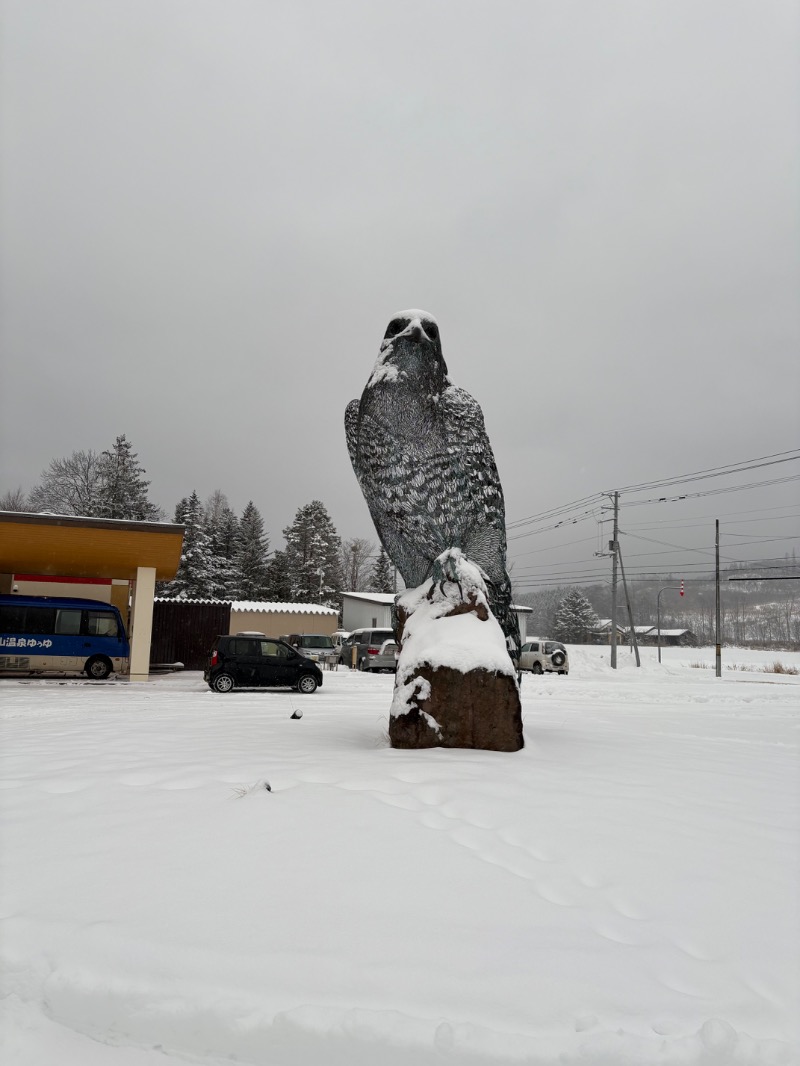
(186, 599)
(268, 607)
(673, 632)
(372, 597)
(281, 608)
(520, 609)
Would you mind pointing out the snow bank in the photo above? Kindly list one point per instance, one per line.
(624, 891)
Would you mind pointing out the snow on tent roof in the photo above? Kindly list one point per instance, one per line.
(186, 599)
(281, 608)
(372, 597)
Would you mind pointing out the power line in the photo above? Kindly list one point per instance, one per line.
(717, 471)
(714, 492)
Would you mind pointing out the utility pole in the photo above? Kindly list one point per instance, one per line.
(718, 641)
(628, 602)
(613, 547)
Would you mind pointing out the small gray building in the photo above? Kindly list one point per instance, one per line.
(367, 610)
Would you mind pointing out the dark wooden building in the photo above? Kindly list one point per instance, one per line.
(183, 630)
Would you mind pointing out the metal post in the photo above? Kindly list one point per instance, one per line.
(676, 588)
(634, 643)
(658, 622)
(613, 549)
(718, 642)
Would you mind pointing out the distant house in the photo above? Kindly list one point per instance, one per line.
(683, 638)
(601, 633)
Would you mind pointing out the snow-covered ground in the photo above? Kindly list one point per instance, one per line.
(623, 891)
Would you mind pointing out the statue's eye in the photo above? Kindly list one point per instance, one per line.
(432, 330)
(394, 327)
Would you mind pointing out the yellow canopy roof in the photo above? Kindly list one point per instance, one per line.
(61, 545)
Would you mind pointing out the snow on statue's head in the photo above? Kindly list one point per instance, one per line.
(411, 352)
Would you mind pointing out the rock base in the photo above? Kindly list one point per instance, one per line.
(478, 709)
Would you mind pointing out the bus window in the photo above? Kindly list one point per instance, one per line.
(102, 624)
(12, 618)
(68, 622)
(40, 620)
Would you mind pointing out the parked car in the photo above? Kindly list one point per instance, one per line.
(386, 659)
(540, 656)
(315, 646)
(367, 643)
(258, 662)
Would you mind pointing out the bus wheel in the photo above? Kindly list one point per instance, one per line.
(97, 668)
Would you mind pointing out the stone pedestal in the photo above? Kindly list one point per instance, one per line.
(474, 710)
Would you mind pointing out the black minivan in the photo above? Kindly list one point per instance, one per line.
(258, 662)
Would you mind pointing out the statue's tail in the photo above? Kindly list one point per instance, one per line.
(500, 603)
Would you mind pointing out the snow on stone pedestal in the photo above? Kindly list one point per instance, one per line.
(456, 686)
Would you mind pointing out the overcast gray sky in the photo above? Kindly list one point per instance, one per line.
(211, 210)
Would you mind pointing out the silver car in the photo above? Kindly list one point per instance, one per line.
(386, 659)
(362, 646)
(544, 656)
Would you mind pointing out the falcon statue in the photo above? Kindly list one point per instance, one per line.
(424, 463)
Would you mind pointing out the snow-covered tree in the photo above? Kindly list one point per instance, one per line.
(195, 576)
(123, 488)
(222, 527)
(382, 576)
(224, 536)
(71, 486)
(312, 549)
(250, 559)
(574, 618)
(279, 580)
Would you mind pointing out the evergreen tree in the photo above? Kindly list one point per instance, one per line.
(224, 545)
(574, 618)
(123, 488)
(279, 581)
(222, 527)
(250, 559)
(382, 577)
(195, 576)
(312, 548)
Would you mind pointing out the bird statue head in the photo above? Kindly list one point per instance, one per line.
(411, 352)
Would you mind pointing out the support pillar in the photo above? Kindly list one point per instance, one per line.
(142, 622)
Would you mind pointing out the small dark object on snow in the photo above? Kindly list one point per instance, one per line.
(268, 786)
(297, 714)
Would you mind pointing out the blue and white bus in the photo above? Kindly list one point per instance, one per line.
(61, 635)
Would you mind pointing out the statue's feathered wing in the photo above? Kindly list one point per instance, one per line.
(431, 483)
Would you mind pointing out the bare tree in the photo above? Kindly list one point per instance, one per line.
(70, 486)
(214, 508)
(356, 563)
(14, 500)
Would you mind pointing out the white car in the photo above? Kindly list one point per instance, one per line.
(540, 656)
